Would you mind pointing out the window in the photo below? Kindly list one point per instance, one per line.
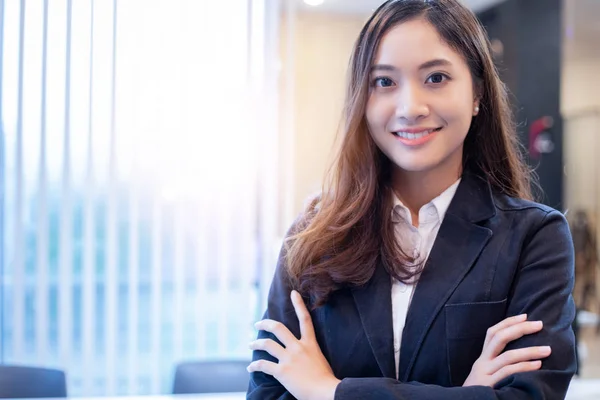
(132, 226)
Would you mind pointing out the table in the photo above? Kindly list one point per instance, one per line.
(584, 389)
(580, 389)
(209, 396)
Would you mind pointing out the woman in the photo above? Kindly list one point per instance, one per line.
(428, 272)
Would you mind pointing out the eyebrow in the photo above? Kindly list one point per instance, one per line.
(438, 62)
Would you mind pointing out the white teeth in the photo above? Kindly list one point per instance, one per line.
(412, 136)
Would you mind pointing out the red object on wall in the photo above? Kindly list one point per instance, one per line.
(536, 129)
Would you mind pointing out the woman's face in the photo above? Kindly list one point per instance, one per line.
(421, 100)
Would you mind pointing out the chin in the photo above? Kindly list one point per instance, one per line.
(415, 165)
(414, 168)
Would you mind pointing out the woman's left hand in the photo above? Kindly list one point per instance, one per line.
(302, 368)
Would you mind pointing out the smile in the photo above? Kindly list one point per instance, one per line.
(416, 137)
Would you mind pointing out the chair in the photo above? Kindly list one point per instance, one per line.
(211, 377)
(30, 382)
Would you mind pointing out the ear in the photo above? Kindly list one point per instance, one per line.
(478, 86)
(475, 107)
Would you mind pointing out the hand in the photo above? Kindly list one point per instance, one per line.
(491, 367)
(302, 368)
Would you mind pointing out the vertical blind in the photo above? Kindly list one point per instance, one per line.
(138, 182)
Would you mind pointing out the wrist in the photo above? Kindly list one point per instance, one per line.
(331, 388)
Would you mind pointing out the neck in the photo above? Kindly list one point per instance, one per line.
(415, 189)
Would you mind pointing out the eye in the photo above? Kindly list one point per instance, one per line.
(383, 82)
(437, 78)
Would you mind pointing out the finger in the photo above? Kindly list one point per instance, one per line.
(280, 331)
(517, 356)
(512, 369)
(270, 346)
(499, 341)
(307, 330)
(505, 323)
(265, 366)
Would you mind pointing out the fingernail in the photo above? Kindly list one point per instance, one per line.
(545, 349)
(539, 323)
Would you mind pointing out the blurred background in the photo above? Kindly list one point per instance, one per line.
(154, 152)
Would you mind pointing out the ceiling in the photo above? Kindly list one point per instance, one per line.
(581, 20)
(367, 6)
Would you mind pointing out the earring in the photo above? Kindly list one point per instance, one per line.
(476, 109)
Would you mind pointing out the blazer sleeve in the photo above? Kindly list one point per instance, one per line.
(279, 308)
(542, 288)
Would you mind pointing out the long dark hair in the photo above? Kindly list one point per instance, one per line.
(347, 230)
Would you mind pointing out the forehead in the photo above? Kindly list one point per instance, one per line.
(412, 43)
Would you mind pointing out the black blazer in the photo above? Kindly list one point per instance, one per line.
(494, 257)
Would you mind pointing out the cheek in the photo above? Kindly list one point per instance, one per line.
(459, 105)
(370, 113)
(376, 115)
(457, 113)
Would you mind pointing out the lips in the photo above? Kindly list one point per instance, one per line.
(412, 135)
(415, 137)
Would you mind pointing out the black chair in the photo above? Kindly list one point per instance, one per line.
(211, 377)
(30, 382)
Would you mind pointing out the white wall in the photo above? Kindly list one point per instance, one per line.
(580, 86)
(321, 45)
(580, 107)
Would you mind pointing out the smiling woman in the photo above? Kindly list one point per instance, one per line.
(426, 269)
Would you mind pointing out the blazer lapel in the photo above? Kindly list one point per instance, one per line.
(459, 242)
(374, 304)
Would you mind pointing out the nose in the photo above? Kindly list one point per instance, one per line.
(411, 104)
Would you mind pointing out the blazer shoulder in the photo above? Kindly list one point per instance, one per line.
(506, 203)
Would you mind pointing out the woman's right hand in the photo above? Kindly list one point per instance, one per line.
(493, 365)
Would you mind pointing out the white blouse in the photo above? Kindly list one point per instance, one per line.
(418, 242)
